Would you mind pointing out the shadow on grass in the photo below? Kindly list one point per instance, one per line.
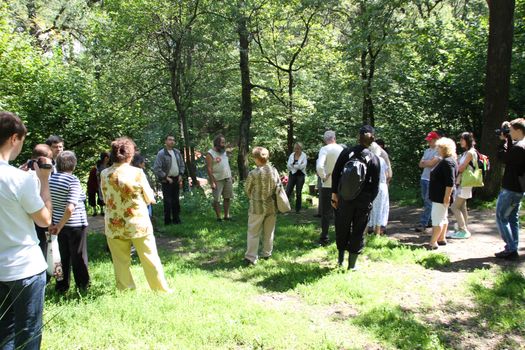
(283, 276)
(399, 328)
(502, 305)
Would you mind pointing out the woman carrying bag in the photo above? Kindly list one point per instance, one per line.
(467, 166)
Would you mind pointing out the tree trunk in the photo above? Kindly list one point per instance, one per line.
(497, 86)
(289, 119)
(246, 98)
(175, 72)
(368, 67)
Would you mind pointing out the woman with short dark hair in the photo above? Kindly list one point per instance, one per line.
(69, 222)
(127, 194)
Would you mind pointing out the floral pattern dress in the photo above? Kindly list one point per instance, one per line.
(127, 193)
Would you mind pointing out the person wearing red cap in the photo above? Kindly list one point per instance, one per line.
(429, 160)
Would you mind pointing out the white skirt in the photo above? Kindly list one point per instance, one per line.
(380, 207)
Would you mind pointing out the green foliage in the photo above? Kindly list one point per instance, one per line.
(399, 328)
(501, 302)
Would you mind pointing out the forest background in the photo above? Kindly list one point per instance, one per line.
(261, 72)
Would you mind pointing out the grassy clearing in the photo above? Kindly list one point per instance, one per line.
(296, 300)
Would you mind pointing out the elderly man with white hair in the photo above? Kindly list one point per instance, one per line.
(328, 155)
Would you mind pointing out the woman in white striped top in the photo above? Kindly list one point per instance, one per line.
(69, 221)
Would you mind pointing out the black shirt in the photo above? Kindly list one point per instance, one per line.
(373, 168)
(512, 154)
(441, 177)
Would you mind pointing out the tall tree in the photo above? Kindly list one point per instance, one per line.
(497, 84)
(287, 63)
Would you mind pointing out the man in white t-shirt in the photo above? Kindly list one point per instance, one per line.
(328, 155)
(24, 202)
(169, 168)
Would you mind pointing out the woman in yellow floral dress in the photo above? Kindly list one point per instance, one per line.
(127, 193)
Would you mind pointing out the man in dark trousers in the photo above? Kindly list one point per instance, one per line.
(351, 217)
(169, 168)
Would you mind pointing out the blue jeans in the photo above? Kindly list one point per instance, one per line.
(507, 218)
(21, 307)
(427, 203)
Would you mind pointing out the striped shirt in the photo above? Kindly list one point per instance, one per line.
(65, 188)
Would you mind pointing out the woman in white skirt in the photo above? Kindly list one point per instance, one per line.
(381, 204)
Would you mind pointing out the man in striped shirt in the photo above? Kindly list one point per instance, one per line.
(69, 221)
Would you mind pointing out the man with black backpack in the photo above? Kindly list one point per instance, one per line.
(355, 184)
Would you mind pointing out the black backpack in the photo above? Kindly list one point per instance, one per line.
(353, 176)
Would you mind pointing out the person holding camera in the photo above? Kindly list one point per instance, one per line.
(24, 202)
(512, 153)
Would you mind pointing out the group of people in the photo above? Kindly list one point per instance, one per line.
(445, 184)
(44, 197)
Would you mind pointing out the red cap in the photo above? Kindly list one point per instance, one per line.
(432, 136)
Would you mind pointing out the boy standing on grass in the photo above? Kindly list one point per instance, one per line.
(24, 202)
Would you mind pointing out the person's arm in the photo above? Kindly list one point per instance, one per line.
(336, 175)
(450, 179)
(248, 185)
(320, 165)
(429, 163)
(209, 169)
(68, 212)
(504, 148)
(289, 163)
(147, 191)
(181, 164)
(374, 176)
(465, 163)
(42, 217)
(301, 164)
(157, 168)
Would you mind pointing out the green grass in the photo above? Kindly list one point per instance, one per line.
(298, 299)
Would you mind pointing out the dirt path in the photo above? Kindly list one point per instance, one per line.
(465, 254)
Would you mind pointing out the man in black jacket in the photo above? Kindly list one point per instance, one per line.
(512, 153)
(169, 168)
(351, 217)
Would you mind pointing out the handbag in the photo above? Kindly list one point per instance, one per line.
(472, 177)
(283, 204)
(54, 262)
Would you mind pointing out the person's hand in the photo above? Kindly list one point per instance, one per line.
(180, 182)
(335, 201)
(213, 185)
(502, 136)
(446, 202)
(41, 173)
(169, 180)
(25, 166)
(54, 230)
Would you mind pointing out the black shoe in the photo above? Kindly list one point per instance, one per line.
(248, 262)
(219, 220)
(503, 254)
(420, 228)
(265, 257)
(442, 242)
(512, 256)
(323, 243)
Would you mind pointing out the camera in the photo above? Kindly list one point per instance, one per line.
(41, 165)
(505, 130)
